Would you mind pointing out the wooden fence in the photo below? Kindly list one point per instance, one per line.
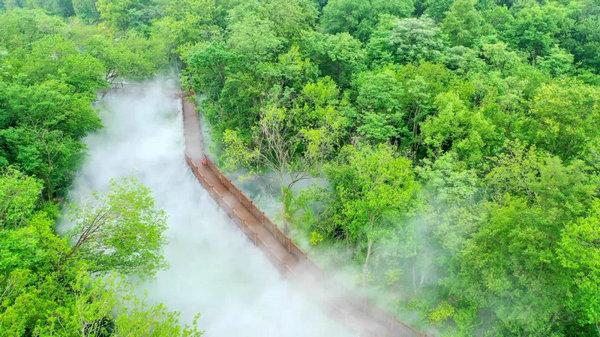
(339, 306)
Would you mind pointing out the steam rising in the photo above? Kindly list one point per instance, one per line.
(213, 269)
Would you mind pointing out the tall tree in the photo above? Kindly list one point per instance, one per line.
(120, 230)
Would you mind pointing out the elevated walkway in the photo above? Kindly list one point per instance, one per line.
(353, 311)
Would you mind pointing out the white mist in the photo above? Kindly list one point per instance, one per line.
(213, 268)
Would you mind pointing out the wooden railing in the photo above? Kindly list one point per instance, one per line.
(338, 306)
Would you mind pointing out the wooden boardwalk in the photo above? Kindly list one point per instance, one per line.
(354, 311)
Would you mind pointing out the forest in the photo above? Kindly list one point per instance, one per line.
(450, 149)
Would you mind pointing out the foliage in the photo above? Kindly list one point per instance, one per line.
(491, 226)
(86, 10)
(129, 14)
(120, 230)
(359, 17)
(405, 41)
(464, 24)
(19, 195)
(371, 190)
(494, 102)
(51, 71)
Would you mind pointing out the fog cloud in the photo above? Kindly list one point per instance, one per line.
(213, 268)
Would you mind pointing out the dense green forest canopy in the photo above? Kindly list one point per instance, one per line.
(51, 71)
(460, 140)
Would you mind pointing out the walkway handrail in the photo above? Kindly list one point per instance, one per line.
(206, 171)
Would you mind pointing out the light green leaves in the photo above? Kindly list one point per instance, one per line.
(120, 230)
(19, 195)
(579, 253)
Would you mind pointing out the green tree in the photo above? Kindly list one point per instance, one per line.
(254, 39)
(558, 63)
(126, 56)
(405, 41)
(360, 17)
(207, 66)
(379, 98)
(19, 28)
(129, 14)
(579, 254)
(86, 10)
(50, 156)
(120, 230)
(19, 195)
(338, 56)
(54, 55)
(436, 9)
(58, 7)
(459, 128)
(185, 23)
(538, 28)
(563, 117)
(464, 24)
(53, 106)
(585, 35)
(372, 190)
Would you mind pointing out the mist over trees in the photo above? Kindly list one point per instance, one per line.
(51, 72)
(459, 140)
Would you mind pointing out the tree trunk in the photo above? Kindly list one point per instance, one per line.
(414, 279)
(367, 258)
(285, 208)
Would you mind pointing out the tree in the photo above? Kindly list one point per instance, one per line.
(32, 247)
(20, 28)
(360, 17)
(379, 96)
(290, 142)
(533, 200)
(456, 127)
(128, 55)
(50, 156)
(579, 254)
(52, 106)
(78, 303)
(558, 63)
(538, 28)
(19, 195)
(292, 17)
(437, 9)
(562, 117)
(86, 10)
(372, 191)
(583, 42)
(409, 40)
(464, 24)
(58, 7)
(120, 230)
(129, 14)
(338, 56)
(185, 23)
(207, 67)
(54, 55)
(254, 39)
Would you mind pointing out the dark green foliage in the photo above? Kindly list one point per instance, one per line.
(490, 228)
(50, 74)
(359, 17)
(496, 105)
(129, 14)
(405, 40)
(86, 10)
